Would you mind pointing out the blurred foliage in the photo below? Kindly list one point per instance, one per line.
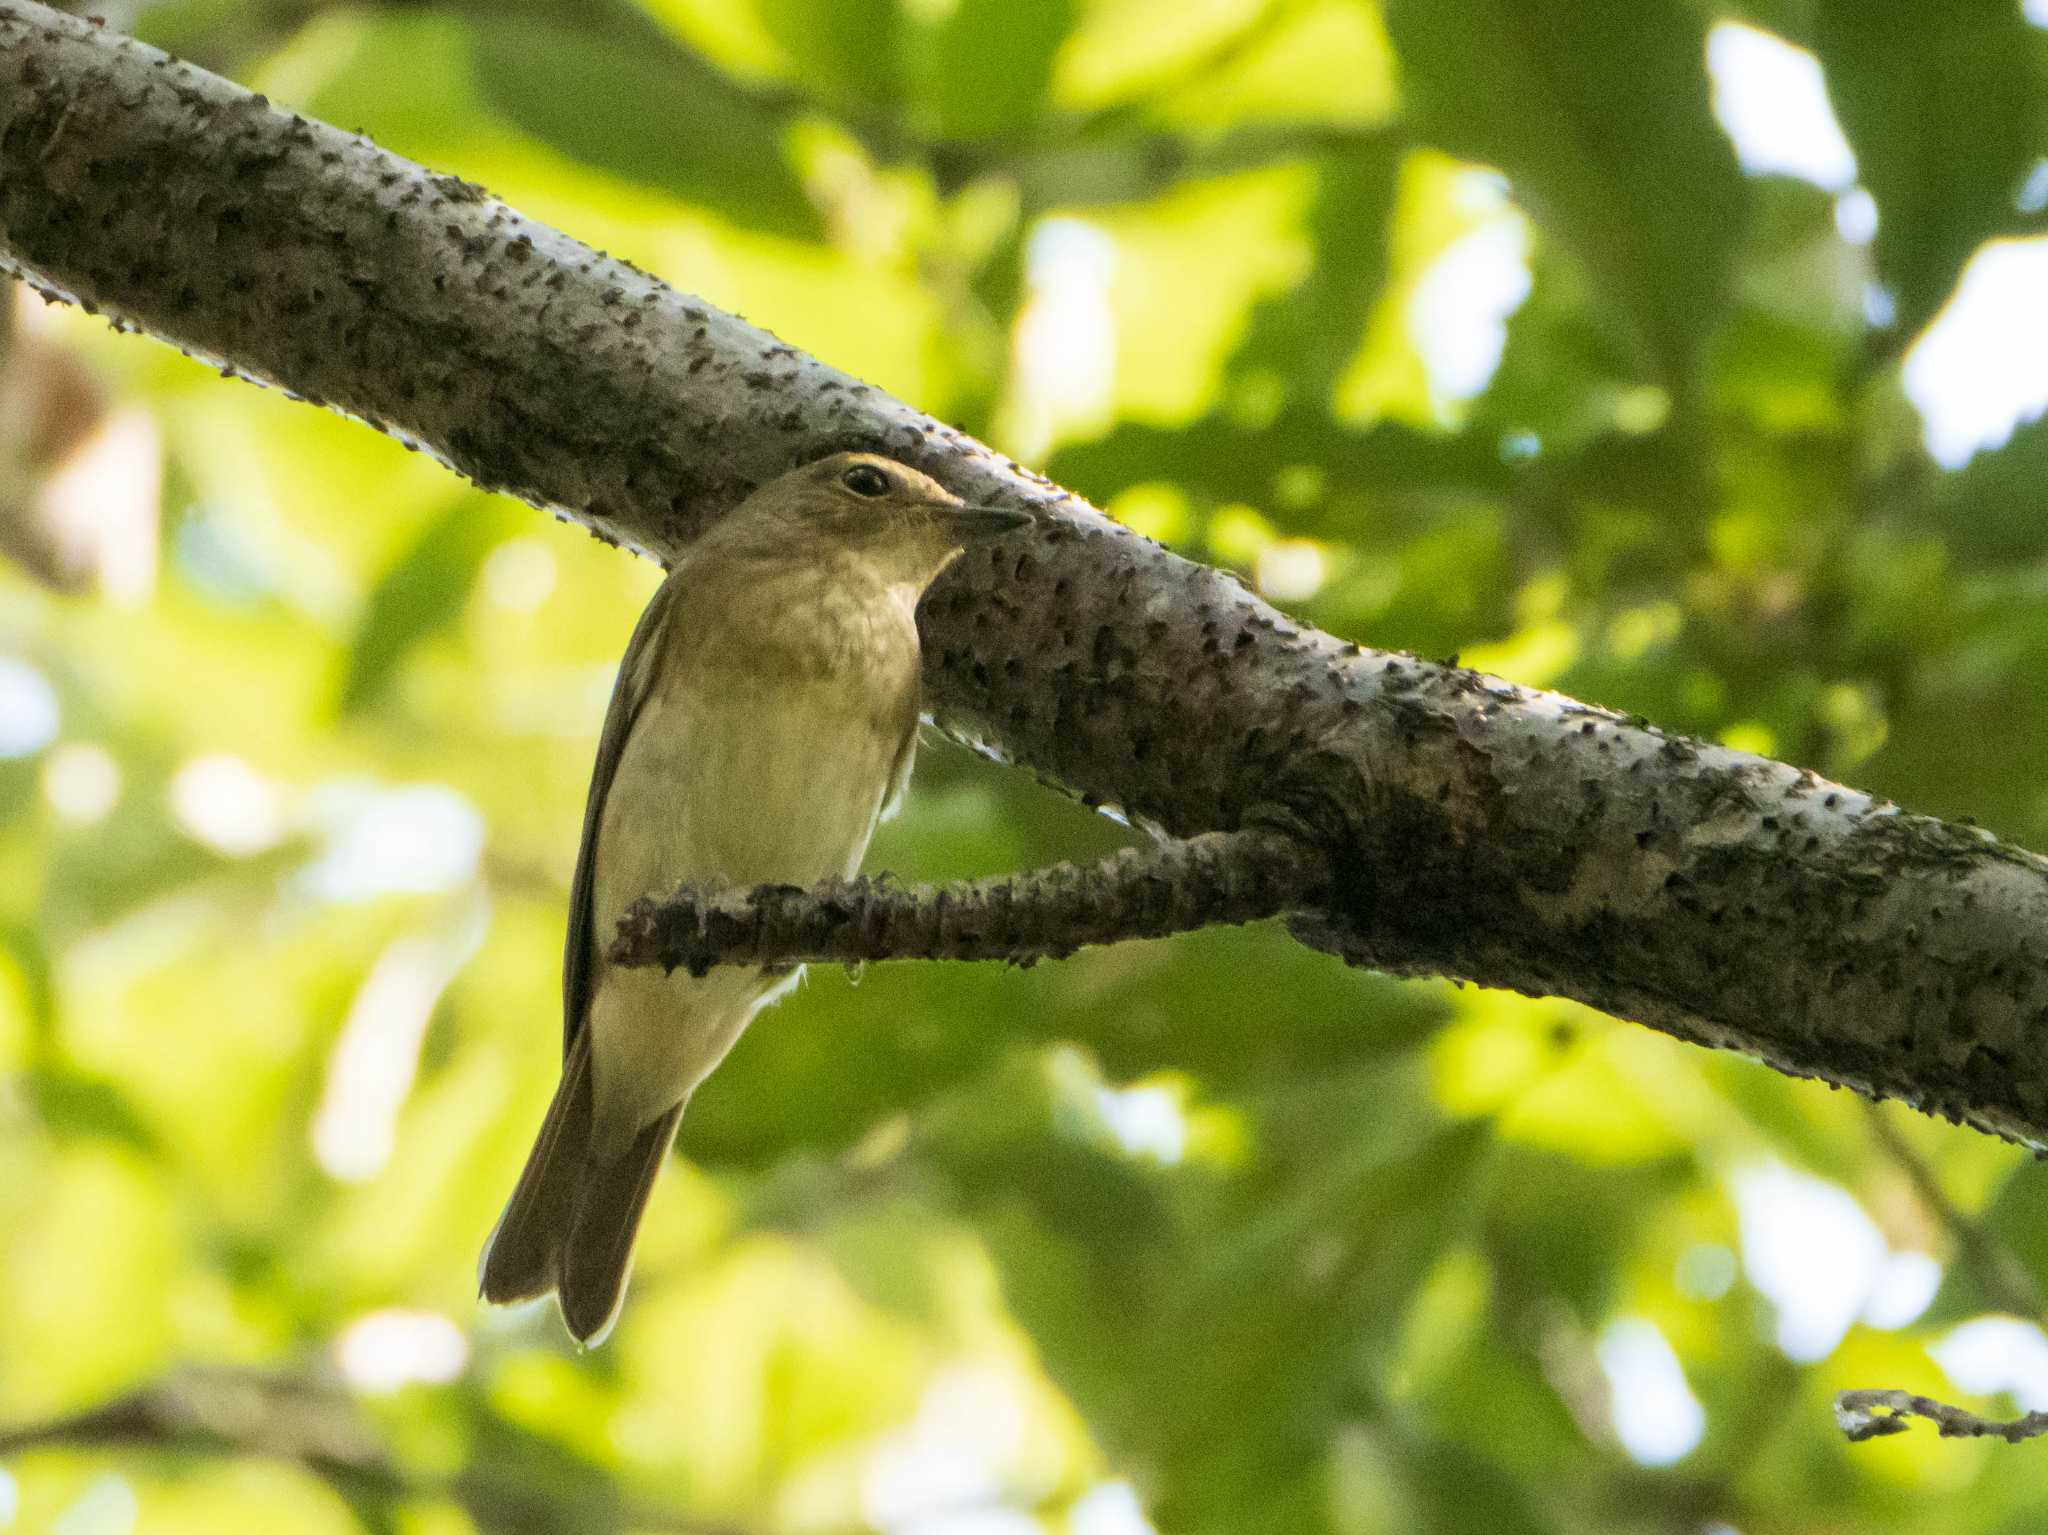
(1455, 328)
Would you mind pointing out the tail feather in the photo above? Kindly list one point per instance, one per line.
(522, 1253)
(570, 1223)
(597, 1259)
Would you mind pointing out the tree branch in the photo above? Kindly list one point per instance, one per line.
(1875, 1413)
(1473, 829)
(316, 1425)
(1140, 892)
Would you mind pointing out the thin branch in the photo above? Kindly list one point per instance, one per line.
(1873, 1414)
(1140, 892)
(1995, 1266)
(315, 1424)
(1473, 829)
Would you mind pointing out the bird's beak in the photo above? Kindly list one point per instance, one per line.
(979, 522)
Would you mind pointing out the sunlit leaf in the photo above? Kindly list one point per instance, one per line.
(422, 594)
(850, 49)
(1993, 513)
(30, 958)
(1307, 335)
(686, 129)
(1598, 114)
(73, 1104)
(984, 66)
(1942, 105)
(1227, 461)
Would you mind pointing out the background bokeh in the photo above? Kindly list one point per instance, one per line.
(1647, 349)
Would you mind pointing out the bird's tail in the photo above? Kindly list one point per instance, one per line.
(570, 1223)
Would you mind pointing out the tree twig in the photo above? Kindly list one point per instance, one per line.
(1996, 1268)
(1140, 892)
(1872, 1414)
(315, 1424)
(1474, 829)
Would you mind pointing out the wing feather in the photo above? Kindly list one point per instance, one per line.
(629, 694)
(899, 775)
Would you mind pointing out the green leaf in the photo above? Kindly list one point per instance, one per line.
(2015, 1225)
(1598, 112)
(1295, 1310)
(1993, 514)
(1942, 104)
(421, 594)
(1570, 360)
(73, 1103)
(984, 68)
(1309, 334)
(850, 48)
(645, 109)
(1227, 460)
(1107, 169)
(1221, 1327)
(404, 73)
(30, 953)
(1462, 1492)
(136, 856)
(1566, 1228)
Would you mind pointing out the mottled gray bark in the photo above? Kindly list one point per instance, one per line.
(1473, 829)
(1171, 886)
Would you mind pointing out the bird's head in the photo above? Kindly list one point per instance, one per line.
(873, 508)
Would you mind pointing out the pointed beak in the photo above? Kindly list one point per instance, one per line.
(979, 522)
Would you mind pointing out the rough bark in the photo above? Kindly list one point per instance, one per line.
(1169, 887)
(1474, 829)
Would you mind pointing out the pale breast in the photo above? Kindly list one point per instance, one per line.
(741, 768)
(768, 734)
(745, 783)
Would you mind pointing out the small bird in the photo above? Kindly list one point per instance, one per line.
(763, 721)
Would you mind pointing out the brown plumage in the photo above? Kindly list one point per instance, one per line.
(764, 719)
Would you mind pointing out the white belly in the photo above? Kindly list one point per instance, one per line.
(778, 785)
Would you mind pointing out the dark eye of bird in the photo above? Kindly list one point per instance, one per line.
(865, 480)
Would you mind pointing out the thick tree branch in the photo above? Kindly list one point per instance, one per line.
(1474, 829)
(1140, 892)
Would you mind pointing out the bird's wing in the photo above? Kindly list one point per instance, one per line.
(899, 776)
(629, 693)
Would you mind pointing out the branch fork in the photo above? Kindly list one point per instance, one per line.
(1474, 830)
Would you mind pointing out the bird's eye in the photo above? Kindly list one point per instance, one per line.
(865, 480)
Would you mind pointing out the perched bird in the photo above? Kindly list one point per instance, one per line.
(764, 719)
